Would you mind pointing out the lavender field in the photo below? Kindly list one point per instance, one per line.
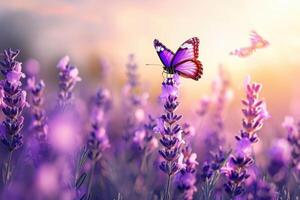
(94, 107)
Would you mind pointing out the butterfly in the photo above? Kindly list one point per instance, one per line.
(257, 42)
(184, 62)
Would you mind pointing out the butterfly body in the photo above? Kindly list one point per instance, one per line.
(184, 62)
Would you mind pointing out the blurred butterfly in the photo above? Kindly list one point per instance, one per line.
(257, 42)
(184, 62)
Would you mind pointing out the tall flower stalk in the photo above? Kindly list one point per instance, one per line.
(255, 113)
(97, 141)
(186, 179)
(221, 94)
(13, 101)
(216, 157)
(39, 119)
(170, 131)
(68, 77)
(39, 125)
(211, 171)
(134, 101)
(293, 139)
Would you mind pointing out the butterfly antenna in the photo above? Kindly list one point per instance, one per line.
(147, 64)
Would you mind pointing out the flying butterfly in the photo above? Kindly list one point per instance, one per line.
(257, 42)
(184, 62)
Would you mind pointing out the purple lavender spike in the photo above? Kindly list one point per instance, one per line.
(13, 101)
(39, 124)
(260, 189)
(236, 169)
(134, 102)
(68, 77)
(170, 131)
(98, 140)
(186, 179)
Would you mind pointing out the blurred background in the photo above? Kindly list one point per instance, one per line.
(97, 32)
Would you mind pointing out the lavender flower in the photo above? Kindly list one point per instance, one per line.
(221, 95)
(279, 160)
(134, 102)
(68, 77)
(39, 124)
(222, 91)
(288, 167)
(13, 101)
(170, 130)
(132, 72)
(203, 106)
(254, 114)
(144, 138)
(213, 166)
(211, 171)
(98, 140)
(262, 190)
(186, 178)
(293, 138)
(32, 67)
(236, 173)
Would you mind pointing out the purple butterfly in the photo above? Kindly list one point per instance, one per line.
(184, 61)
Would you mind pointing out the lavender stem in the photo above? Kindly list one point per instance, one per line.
(90, 180)
(167, 192)
(8, 168)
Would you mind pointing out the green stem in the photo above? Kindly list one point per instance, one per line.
(90, 183)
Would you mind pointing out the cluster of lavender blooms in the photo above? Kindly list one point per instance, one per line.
(222, 92)
(186, 179)
(12, 102)
(135, 100)
(39, 125)
(161, 158)
(254, 113)
(98, 140)
(36, 90)
(210, 173)
(284, 167)
(170, 131)
(68, 77)
(215, 155)
(293, 137)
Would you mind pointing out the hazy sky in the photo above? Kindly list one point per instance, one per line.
(114, 28)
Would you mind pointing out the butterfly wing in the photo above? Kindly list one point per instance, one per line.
(190, 69)
(185, 60)
(258, 41)
(165, 54)
(242, 52)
